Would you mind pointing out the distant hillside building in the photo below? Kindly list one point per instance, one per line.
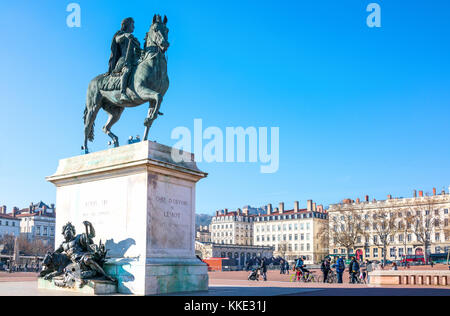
(38, 222)
(202, 234)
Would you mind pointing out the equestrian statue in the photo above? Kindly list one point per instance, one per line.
(135, 76)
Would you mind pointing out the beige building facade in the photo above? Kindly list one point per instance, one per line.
(232, 228)
(403, 222)
(293, 233)
(241, 253)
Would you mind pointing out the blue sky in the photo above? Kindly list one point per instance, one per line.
(360, 110)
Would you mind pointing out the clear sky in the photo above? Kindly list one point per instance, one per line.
(360, 110)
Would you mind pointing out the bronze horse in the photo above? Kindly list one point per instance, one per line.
(148, 83)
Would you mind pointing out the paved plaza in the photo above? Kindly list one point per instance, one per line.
(236, 284)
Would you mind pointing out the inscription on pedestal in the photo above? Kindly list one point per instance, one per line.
(170, 216)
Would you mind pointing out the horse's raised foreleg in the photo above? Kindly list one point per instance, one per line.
(114, 113)
(155, 100)
(152, 114)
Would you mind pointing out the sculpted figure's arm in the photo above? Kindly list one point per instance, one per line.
(124, 37)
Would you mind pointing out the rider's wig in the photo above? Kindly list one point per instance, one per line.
(69, 226)
(126, 23)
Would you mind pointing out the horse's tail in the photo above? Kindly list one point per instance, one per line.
(90, 136)
(90, 111)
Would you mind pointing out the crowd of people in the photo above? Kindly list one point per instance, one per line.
(14, 267)
(332, 272)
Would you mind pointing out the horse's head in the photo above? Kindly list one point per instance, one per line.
(158, 35)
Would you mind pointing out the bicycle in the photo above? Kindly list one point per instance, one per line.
(331, 278)
(295, 276)
(358, 278)
(308, 277)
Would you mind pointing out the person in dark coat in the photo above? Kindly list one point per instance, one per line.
(263, 269)
(325, 267)
(353, 269)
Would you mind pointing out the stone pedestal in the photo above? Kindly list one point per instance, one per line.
(95, 287)
(142, 206)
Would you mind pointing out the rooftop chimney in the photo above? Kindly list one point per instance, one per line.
(421, 193)
(367, 198)
(389, 197)
(281, 207)
(269, 209)
(314, 206)
(357, 200)
(245, 211)
(217, 213)
(434, 191)
(3, 209)
(309, 205)
(415, 193)
(320, 208)
(226, 211)
(296, 206)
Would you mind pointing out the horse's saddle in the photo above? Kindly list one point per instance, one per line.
(109, 82)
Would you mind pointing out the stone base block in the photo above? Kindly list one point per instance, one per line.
(159, 276)
(94, 287)
(142, 205)
(170, 276)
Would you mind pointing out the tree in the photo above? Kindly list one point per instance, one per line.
(384, 228)
(447, 237)
(282, 249)
(404, 224)
(7, 241)
(424, 221)
(345, 227)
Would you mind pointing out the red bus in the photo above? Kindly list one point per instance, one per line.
(413, 258)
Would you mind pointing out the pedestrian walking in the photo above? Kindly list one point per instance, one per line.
(282, 267)
(369, 268)
(353, 269)
(394, 266)
(325, 267)
(286, 267)
(263, 269)
(340, 268)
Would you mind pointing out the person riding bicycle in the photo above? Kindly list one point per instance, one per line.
(300, 266)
